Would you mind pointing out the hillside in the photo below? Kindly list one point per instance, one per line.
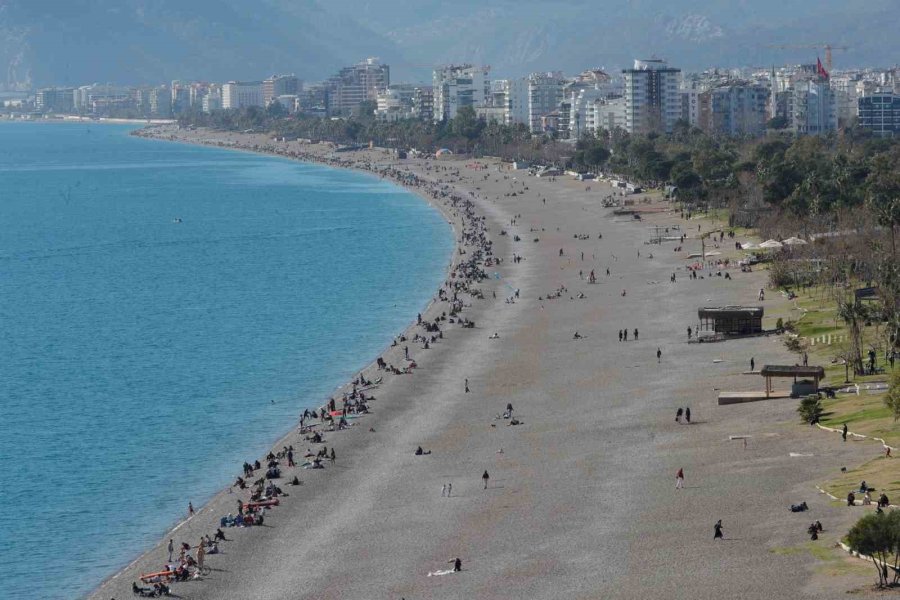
(135, 41)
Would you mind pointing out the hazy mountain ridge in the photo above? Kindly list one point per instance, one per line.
(148, 41)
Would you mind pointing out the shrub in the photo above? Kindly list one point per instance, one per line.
(810, 409)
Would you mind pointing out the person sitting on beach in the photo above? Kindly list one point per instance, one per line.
(577, 336)
(140, 591)
(220, 535)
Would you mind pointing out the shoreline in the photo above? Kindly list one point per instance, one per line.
(451, 219)
(580, 499)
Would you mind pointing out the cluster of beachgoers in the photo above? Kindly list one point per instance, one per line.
(404, 471)
(258, 487)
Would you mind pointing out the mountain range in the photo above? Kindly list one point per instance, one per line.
(51, 42)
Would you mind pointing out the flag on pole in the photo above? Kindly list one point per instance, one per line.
(820, 70)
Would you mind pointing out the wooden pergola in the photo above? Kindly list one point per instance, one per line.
(817, 374)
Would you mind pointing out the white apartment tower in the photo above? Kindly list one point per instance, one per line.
(545, 92)
(241, 94)
(456, 86)
(652, 97)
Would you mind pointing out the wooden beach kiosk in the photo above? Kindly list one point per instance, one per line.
(731, 320)
(800, 387)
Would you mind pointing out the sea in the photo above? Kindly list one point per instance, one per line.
(166, 312)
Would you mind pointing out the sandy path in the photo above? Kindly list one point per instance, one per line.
(581, 501)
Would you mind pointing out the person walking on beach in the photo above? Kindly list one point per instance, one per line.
(485, 478)
(658, 355)
(201, 554)
(679, 478)
(635, 334)
(678, 414)
(718, 535)
(687, 415)
(690, 332)
(332, 455)
(290, 457)
(625, 335)
(844, 432)
(171, 548)
(752, 364)
(190, 509)
(467, 386)
(443, 490)
(620, 335)
(449, 489)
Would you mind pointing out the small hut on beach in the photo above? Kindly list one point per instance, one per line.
(731, 320)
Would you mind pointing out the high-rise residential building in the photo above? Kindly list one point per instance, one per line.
(141, 97)
(395, 103)
(652, 97)
(737, 108)
(813, 108)
(280, 85)
(423, 103)
(57, 100)
(314, 99)
(455, 86)
(880, 113)
(161, 102)
(506, 102)
(583, 96)
(607, 114)
(181, 97)
(87, 98)
(212, 100)
(356, 84)
(545, 92)
(242, 94)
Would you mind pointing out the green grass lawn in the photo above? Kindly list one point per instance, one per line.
(881, 473)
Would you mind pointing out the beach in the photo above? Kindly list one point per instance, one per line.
(580, 501)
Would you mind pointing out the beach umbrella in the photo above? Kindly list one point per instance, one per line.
(771, 244)
(794, 241)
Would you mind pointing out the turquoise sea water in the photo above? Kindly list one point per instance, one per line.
(140, 357)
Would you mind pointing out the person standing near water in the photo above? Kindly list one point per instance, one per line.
(679, 479)
(171, 548)
(467, 385)
(752, 364)
(658, 355)
(201, 554)
(687, 415)
(485, 478)
(190, 509)
(718, 535)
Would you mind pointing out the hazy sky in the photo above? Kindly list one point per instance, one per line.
(146, 41)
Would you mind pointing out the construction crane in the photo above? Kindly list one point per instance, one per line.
(826, 46)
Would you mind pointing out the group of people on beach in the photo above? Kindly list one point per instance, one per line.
(259, 495)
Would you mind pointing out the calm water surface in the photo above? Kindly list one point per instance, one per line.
(140, 357)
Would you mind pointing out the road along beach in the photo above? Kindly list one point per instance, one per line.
(580, 501)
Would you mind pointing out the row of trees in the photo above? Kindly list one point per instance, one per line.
(768, 182)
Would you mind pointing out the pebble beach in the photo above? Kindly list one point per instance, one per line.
(580, 501)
